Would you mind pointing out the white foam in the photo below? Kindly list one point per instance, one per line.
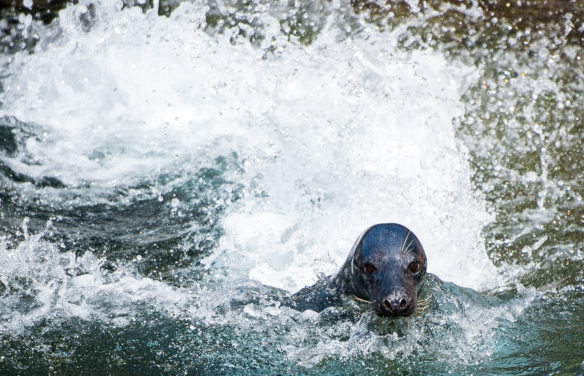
(370, 142)
(47, 283)
(335, 136)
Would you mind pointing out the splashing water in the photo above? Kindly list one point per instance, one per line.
(180, 179)
(321, 162)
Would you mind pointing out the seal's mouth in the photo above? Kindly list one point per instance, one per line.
(418, 308)
(384, 311)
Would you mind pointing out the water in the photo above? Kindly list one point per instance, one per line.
(168, 180)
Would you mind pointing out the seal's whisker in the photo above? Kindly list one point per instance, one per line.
(425, 301)
(408, 249)
(360, 299)
(404, 242)
(422, 305)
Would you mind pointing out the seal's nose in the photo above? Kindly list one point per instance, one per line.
(397, 303)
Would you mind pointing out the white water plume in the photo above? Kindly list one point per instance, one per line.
(333, 137)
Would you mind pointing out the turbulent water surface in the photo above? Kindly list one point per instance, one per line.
(167, 179)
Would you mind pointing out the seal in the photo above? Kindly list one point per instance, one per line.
(385, 267)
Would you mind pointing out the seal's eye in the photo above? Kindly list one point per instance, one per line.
(414, 267)
(368, 268)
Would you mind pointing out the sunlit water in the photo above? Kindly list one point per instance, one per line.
(168, 180)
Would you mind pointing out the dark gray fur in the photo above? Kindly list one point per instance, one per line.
(392, 287)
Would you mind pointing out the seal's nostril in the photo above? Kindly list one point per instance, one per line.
(395, 305)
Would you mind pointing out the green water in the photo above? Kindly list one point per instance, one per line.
(522, 132)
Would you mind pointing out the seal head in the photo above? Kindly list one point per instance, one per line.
(385, 266)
